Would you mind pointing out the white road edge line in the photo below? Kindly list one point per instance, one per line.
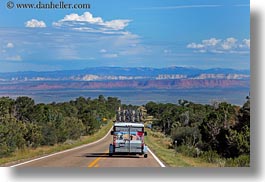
(156, 158)
(62, 151)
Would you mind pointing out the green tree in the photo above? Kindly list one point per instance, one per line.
(11, 135)
(33, 135)
(70, 128)
(23, 108)
(6, 105)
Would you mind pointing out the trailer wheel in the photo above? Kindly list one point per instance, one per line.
(110, 150)
(145, 155)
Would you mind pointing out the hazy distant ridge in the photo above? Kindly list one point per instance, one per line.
(121, 73)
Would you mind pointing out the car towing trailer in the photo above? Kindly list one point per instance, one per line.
(128, 138)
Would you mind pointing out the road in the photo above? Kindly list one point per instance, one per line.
(90, 156)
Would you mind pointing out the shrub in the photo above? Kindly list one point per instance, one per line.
(186, 135)
(241, 161)
(189, 151)
(211, 156)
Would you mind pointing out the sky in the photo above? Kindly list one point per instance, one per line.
(147, 33)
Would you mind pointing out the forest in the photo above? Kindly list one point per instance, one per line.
(26, 124)
(217, 133)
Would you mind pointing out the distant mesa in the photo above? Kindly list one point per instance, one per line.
(118, 77)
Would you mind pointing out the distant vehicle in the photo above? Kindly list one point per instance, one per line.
(128, 138)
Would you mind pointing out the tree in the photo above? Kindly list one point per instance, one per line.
(23, 108)
(70, 128)
(6, 105)
(210, 129)
(11, 135)
(101, 99)
(33, 135)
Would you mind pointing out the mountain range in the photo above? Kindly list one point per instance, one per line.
(105, 72)
(120, 77)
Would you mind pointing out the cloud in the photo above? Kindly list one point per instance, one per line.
(110, 55)
(86, 22)
(67, 44)
(195, 46)
(117, 24)
(211, 42)
(204, 44)
(9, 45)
(103, 51)
(229, 43)
(75, 37)
(8, 51)
(35, 24)
(245, 43)
(86, 17)
(219, 46)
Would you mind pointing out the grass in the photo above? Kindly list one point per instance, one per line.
(29, 153)
(159, 144)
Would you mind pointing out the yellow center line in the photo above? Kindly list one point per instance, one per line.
(94, 162)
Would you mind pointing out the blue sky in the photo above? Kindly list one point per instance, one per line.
(147, 33)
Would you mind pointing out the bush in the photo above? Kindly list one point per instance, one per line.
(189, 151)
(186, 135)
(241, 161)
(4, 150)
(211, 156)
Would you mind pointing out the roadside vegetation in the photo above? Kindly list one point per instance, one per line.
(184, 134)
(195, 134)
(161, 145)
(28, 130)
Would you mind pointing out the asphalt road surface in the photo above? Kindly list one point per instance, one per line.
(92, 155)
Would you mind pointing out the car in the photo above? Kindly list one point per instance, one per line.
(128, 138)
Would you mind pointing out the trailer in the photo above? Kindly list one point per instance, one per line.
(128, 138)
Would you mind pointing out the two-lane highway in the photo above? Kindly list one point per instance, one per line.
(92, 155)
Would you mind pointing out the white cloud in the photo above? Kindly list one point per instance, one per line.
(117, 24)
(195, 46)
(86, 22)
(84, 29)
(10, 45)
(79, 37)
(8, 52)
(205, 43)
(103, 51)
(245, 43)
(219, 46)
(211, 42)
(86, 17)
(229, 43)
(35, 24)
